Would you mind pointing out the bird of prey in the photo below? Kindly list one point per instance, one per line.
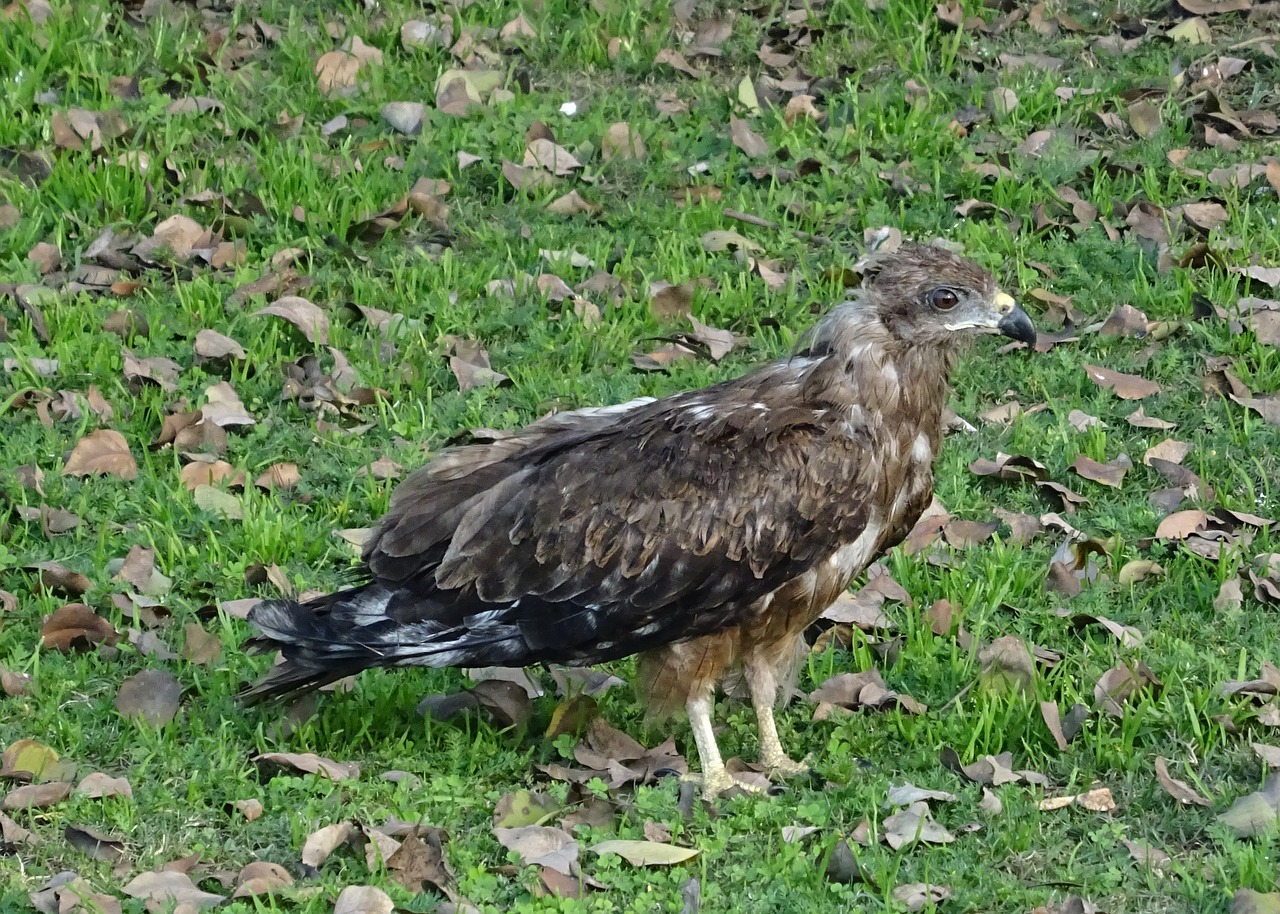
(704, 531)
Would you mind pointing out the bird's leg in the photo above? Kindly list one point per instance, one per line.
(762, 682)
(715, 778)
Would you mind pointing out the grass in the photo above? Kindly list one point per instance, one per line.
(891, 82)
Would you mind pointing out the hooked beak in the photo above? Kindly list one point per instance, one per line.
(1014, 322)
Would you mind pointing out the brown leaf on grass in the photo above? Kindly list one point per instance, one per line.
(541, 845)
(279, 476)
(547, 155)
(1255, 813)
(156, 369)
(211, 345)
(621, 141)
(56, 577)
(1096, 800)
(420, 862)
(524, 807)
(1168, 450)
(93, 843)
(223, 407)
(572, 204)
(36, 796)
(76, 627)
(662, 358)
(724, 239)
(1139, 419)
(152, 695)
(621, 759)
(198, 473)
(1144, 118)
(1215, 7)
(1125, 386)
(1248, 901)
(1182, 524)
(1120, 684)
(645, 853)
(171, 888)
(337, 71)
(199, 646)
(859, 691)
(1082, 421)
(366, 899)
(97, 785)
(506, 701)
(671, 302)
(1011, 468)
(1067, 499)
(752, 144)
(1179, 790)
(1229, 595)
(261, 878)
(308, 763)
(469, 362)
(1007, 666)
(916, 896)
(914, 824)
(719, 342)
(322, 842)
(15, 684)
(676, 61)
(78, 128)
(1126, 634)
(101, 452)
(310, 319)
(1108, 474)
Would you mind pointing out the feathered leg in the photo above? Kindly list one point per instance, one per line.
(762, 682)
(715, 778)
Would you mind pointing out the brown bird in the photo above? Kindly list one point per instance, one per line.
(704, 531)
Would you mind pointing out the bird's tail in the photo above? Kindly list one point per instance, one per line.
(337, 635)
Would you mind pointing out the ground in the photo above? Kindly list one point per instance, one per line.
(553, 215)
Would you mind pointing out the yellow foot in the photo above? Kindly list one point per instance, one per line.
(718, 781)
(783, 767)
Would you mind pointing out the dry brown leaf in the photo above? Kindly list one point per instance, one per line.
(752, 144)
(310, 319)
(171, 888)
(210, 344)
(97, 785)
(309, 763)
(1179, 790)
(541, 845)
(915, 823)
(545, 154)
(364, 899)
(279, 476)
(36, 796)
(337, 71)
(1108, 474)
(1125, 386)
(101, 452)
(152, 695)
(76, 627)
(622, 142)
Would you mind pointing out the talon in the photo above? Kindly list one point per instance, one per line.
(713, 783)
(784, 767)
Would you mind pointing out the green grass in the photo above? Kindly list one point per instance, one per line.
(186, 774)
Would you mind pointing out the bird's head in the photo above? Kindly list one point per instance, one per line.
(927, 295)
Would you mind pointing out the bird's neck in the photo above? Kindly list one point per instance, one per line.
(905, 386)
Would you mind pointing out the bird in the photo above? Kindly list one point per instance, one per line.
(702, 531)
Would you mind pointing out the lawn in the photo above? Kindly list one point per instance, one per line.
(262, 259)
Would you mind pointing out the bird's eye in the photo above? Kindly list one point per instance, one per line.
(944, 299)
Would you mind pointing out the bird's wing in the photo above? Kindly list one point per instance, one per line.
(606, 536)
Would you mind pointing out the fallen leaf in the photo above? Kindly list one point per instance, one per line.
(97, 785)
(76, 627)
(309, 763)
(1179, 790)
(310, 319)
(645, 853)
(541, 845)
(913, 824)
(101, 452)
(37, 796)
(170, 887)
(916, 896)
(363, 899)
(322, 842)
(746, 139)
(152, 695)
(1125, 386)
